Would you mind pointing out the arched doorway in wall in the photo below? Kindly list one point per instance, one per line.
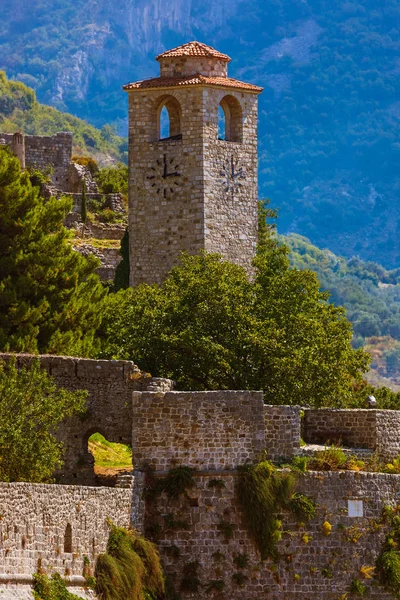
(111, 459)
(230, 120)
(169, 118)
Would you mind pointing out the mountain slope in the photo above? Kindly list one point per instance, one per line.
(20, 111)
(370, 294)
(329, 115)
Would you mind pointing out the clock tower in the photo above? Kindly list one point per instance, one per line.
(192, 163)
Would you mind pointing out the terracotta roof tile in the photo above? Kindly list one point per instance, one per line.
(194, 49)
(197, 79)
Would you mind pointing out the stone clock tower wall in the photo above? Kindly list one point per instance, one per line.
(164, 224)
(191, 191)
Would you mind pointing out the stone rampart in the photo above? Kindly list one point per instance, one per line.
(44, 152)
(57, 526)
(311, 565)
(204, 430)
(282, 431)
(377, 430)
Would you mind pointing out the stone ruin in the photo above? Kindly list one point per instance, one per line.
(53, 155)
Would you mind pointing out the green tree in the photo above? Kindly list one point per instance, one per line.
(31, 409)
(50, 298)
(209, 327)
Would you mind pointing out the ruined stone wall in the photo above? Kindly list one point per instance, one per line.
(43, 151)
(109, 406)
(34, 523)
(204, 430)
(355, 428)
(282, 431)
(311, 564)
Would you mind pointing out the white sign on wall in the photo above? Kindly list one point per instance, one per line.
(355, 508)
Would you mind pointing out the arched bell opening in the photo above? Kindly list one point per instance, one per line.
(230, 120)
(169, 119)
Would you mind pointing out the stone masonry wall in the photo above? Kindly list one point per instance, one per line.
(204, 430)
(355, 428)
(378, 430)
(310, 566)
(282, 431)
(53, 151)
(34, 523)
(109, 406)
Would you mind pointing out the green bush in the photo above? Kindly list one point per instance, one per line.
(303, 507)
(262, 492)
(130, 568)
(54, 588)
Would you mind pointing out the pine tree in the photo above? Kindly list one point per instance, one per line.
(50, 298)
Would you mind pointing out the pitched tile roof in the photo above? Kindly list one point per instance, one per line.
(184, 80)
(194, 49)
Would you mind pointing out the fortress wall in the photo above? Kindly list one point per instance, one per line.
(34, 520)
(378, 430)
(204, 430)
(355, 428)
(388, 433)
(109, 406)
(282, 431)
(321, 567)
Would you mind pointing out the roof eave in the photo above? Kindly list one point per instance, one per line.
(256, 90)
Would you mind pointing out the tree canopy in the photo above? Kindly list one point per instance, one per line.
(209, 327)
(31, 408)
(50, 298)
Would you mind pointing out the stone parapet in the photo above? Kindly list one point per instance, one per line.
(203, 430)
(377, 430)
(282, 431)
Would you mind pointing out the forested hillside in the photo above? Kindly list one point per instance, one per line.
(370, 294)
(20, 111)
(329, 115)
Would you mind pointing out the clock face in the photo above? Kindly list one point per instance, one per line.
(164, 176)
(232, 176)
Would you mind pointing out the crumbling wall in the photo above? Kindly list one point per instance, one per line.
(282, 431)
(110, 384)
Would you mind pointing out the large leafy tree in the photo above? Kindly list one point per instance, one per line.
(50, 298)
(210, 327)
(31, 408)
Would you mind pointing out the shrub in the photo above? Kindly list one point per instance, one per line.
(357, 587)
(303, 507)
(54, 588)
(261, 492)
(130, 568)
(329, 459)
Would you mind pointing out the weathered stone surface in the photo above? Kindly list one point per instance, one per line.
(204, 430)
(378, 430)
(322, 567)
(34, 521)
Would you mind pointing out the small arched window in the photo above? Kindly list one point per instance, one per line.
(68, 538)
(169, 119)
(230, 120)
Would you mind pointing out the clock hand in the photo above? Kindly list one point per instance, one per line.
(174, 174)
(165, 166)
